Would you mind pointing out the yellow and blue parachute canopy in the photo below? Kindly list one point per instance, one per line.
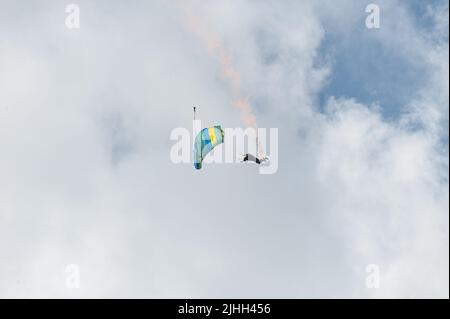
(206, 140)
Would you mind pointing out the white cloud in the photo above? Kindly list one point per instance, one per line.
(85, 117)
(388, 198)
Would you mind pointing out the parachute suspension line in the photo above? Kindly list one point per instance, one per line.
(258, 149)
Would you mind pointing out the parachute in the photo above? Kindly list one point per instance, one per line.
(206, 140)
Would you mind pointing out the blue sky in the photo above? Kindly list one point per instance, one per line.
(365, 70)
(370, 72)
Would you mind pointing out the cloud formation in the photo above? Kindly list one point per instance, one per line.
(86, 179)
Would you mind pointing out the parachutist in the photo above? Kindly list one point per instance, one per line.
(251, 158)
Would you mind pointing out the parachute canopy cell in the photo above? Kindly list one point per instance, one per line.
(206, 140)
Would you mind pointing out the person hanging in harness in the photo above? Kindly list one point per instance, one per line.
(251, 158)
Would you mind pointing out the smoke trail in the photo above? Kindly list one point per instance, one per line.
(215, 50)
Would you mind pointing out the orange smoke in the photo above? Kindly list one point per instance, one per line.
(224, 59)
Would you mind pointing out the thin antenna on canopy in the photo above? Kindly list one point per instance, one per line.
(194, 112)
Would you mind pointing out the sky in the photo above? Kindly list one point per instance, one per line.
(87, 182)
